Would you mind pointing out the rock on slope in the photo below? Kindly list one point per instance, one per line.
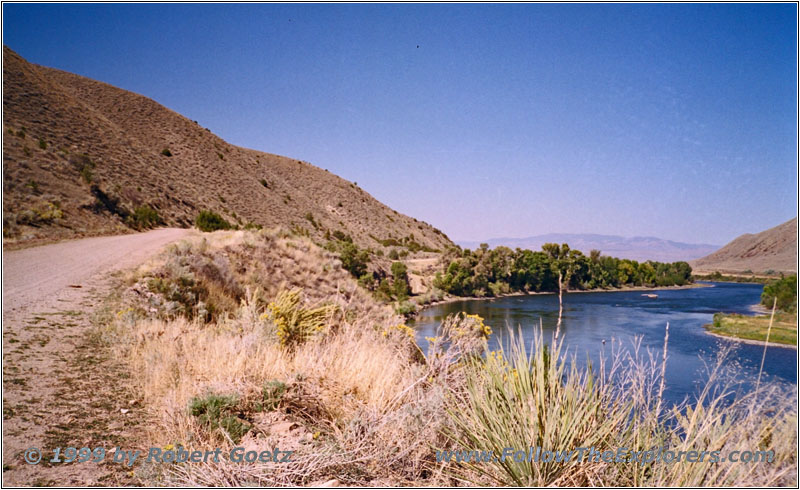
(774, 249)
(79, 155)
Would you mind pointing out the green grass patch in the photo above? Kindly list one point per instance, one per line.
(218, 413)
(784, 327)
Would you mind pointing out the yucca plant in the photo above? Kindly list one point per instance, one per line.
(515, 399)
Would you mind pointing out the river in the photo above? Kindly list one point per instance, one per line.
(619, 317)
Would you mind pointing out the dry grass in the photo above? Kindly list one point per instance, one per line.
(519, 399)
(357, 394)
(360, 404)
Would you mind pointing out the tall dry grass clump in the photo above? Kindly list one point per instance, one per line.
(521, 398)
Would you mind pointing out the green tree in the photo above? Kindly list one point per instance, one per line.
(785, 291)
(354, 260)
(400, 284)
(647, 273)
(564, 263)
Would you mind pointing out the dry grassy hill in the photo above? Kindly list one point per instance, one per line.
(80, 156)
(774, 249)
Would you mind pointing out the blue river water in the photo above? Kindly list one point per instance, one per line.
(620, 317)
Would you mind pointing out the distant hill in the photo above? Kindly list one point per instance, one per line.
(774, 249)
(79, 156)
(635, 248)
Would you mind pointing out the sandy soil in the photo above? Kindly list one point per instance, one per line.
(61, 388)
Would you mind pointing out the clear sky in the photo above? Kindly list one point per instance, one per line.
(677, 121)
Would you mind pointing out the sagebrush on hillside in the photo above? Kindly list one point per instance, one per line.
(65, 133)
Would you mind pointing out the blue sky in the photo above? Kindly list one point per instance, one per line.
(677, 121)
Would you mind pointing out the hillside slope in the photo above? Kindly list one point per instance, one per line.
(774, 249)
(80, 156)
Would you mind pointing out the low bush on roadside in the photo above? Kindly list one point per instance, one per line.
(210, 221)
(143, 218)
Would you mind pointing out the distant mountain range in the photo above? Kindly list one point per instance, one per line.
(774, 249)
(635, 248)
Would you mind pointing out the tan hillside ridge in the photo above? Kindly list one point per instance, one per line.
(79, 155)
(774, 250)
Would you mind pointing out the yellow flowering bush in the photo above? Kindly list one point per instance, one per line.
(295, 325)
(471, 326)
(460, 336)
(401, 329)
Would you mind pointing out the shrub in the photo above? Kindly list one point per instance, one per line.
(310, 218)
(42, 144)
(405, 308)
(86, 174)
(211, 221)
(217, 413)
(40, 216)
(354, 260)
(785, 290)
(186, 296)
(342, 236)
(367, 281)
(264, 183)
(295, 325)
(400, 281)
(271, 395)
(144, 217)
(166, 152)
(534, 398)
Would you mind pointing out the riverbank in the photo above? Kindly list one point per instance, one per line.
(753, 329)
(454, 299)
(749, 341)
(737, 278)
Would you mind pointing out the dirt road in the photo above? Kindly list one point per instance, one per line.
(36, 274)
(61, 388)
